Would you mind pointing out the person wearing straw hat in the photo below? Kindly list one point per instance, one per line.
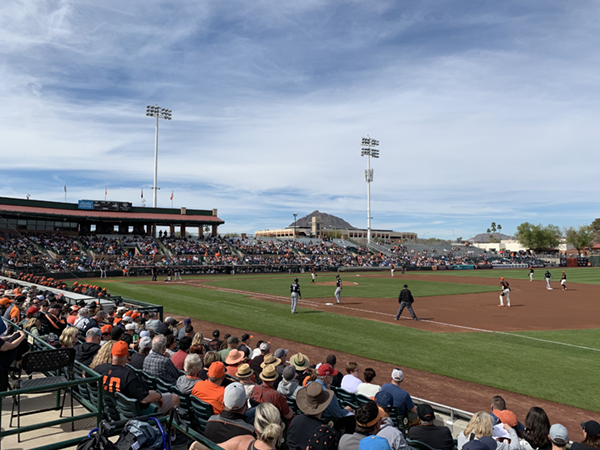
(265, 393)
(271, 359)
(312, 401)
(300, 363)
(245, 375)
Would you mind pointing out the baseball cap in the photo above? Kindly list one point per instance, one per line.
(265, 346)
(559, 434)
(145, 342)
(246, 336)
(425, 412)
(187, 321)
(120, 349)
(216, 333)
(507, 417)
(397, 375)
(384, 399)
(591, 427)
(500, 431)
(374, 443)
(280, 352)
(130, 327)
(94, 332)
(325, 370)
(144, 333)
(235, 396)
(32, 310)
(106, 329)
(216, 370)
(289, 373)
(127, 319)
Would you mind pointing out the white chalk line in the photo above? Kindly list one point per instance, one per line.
(481, 330)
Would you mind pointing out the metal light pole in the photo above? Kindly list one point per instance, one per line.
(295, 215)
(159, 113)
(369, 151)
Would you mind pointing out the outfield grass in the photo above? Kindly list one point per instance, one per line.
(507, 361)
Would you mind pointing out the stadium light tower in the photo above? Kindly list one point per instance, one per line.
(159, 113)
(370, 151)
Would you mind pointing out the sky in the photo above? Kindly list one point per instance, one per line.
(484, 110)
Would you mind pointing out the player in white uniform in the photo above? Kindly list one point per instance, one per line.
(392, 267)
(563, 281)
(338, 289)
(547, 275)
(313, 274)
(530, 273)
(505, 291)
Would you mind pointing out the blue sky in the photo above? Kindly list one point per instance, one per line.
(485, 111)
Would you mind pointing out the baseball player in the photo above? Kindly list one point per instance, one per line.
(563, 281)
(403, 268)
(313, 274)
(547, 275)
(392, 267)
(177, 273)
(504, 291)
(530, 273)
(406, 300)
(295, 290)
(338, 289)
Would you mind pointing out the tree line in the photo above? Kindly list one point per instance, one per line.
(540, 237)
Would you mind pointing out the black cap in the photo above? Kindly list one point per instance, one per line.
(425, 412)
(55, 306)
(216, 333)
(245, 337)
(406, 285)
(296, 280)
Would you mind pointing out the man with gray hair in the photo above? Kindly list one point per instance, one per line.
(192, 365)
(157, 364)
(97, 321)
(84, 353)
(153, 323)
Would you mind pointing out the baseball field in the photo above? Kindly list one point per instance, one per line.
(547, 345)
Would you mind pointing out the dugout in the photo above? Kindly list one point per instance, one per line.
(101, 217)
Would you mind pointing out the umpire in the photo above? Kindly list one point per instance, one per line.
(406, 300)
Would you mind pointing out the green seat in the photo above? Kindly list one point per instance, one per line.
(361, 400)
(418, 445)
(202, 412)
(345, 398)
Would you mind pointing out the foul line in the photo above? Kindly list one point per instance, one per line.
(306, 302)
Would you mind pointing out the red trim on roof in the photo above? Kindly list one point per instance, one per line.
(87, 214)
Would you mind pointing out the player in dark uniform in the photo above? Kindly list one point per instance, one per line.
(530, 273)
(563, 281)
(406, 300)
(547, 275)
(338, 289)
(295, 290)
(505, 291)
(403, 268)
(154, 273)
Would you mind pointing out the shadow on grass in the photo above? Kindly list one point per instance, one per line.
(311, 312)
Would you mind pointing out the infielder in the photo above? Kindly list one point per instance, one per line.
(313, 274)
(547, 275)
(338, 289)
(530, 273)
(392, 267)
(563, 281)
(295, 290)
(504, 291)
(406, 300)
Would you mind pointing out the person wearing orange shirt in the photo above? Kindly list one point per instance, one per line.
(210, 391)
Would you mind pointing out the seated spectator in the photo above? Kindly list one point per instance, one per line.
(402, 399)
(152, 323)
(280, 354)
(233, 361)
(268, 429)
(591, 436)
(388, 430)
(84, 353)
(480, 425)
(537, 428)
(11, 349)
(191, 365)
(232, 421)
(73, 315)
(51, 321)
(351, 381)
(144, 347)
(158, 365)
(209, 359)
(171, 346)
(312, 401)
(245, 376)
(257, 360)
(232, 343)
(300, 363)
(368, 389)
(210, 391)
(288, 386)
(506, 429)
(184, 347)
(104, 355)
(96, 321)
(186, 322)
(83, 317)
(368, 418)
(374, 442)
(435, 436)
(324, 375)
(34, 325)
(265, 393)
(559, 437)
(120, 378)
(215, 344)
(128, 334)
(68, 338)
(106, 331)
(498, 404)
(336, 380)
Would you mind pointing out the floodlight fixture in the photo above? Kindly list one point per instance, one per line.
(369, 151)
(159, 113)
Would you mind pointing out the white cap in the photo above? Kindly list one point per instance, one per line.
(397, 375)
(145, 342)
(130, 327)
(235, 396)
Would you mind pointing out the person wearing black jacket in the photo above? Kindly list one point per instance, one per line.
(435, 436)
(406, 300)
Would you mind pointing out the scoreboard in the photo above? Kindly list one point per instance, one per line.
(100, 205)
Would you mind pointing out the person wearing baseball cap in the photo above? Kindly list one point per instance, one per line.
(388, 430)
(368, 423)
(325, 373)
(563, 281)
(232, 421)
(559, 436)
(435, 436)
(402, 399)
(210, 390)
(120, 378)
(312, 400)
(591, 436)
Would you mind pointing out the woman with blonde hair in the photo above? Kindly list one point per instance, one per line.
(198, 339)
(268, 428)
(68, 337)
(104, 355)
(481, 424)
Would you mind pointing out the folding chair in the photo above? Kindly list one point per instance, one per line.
(44, 361)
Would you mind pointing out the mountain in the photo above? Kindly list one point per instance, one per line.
(485, 237)
(327, 221)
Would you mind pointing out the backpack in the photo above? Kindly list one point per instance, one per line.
(96, 440)
(141, 435)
